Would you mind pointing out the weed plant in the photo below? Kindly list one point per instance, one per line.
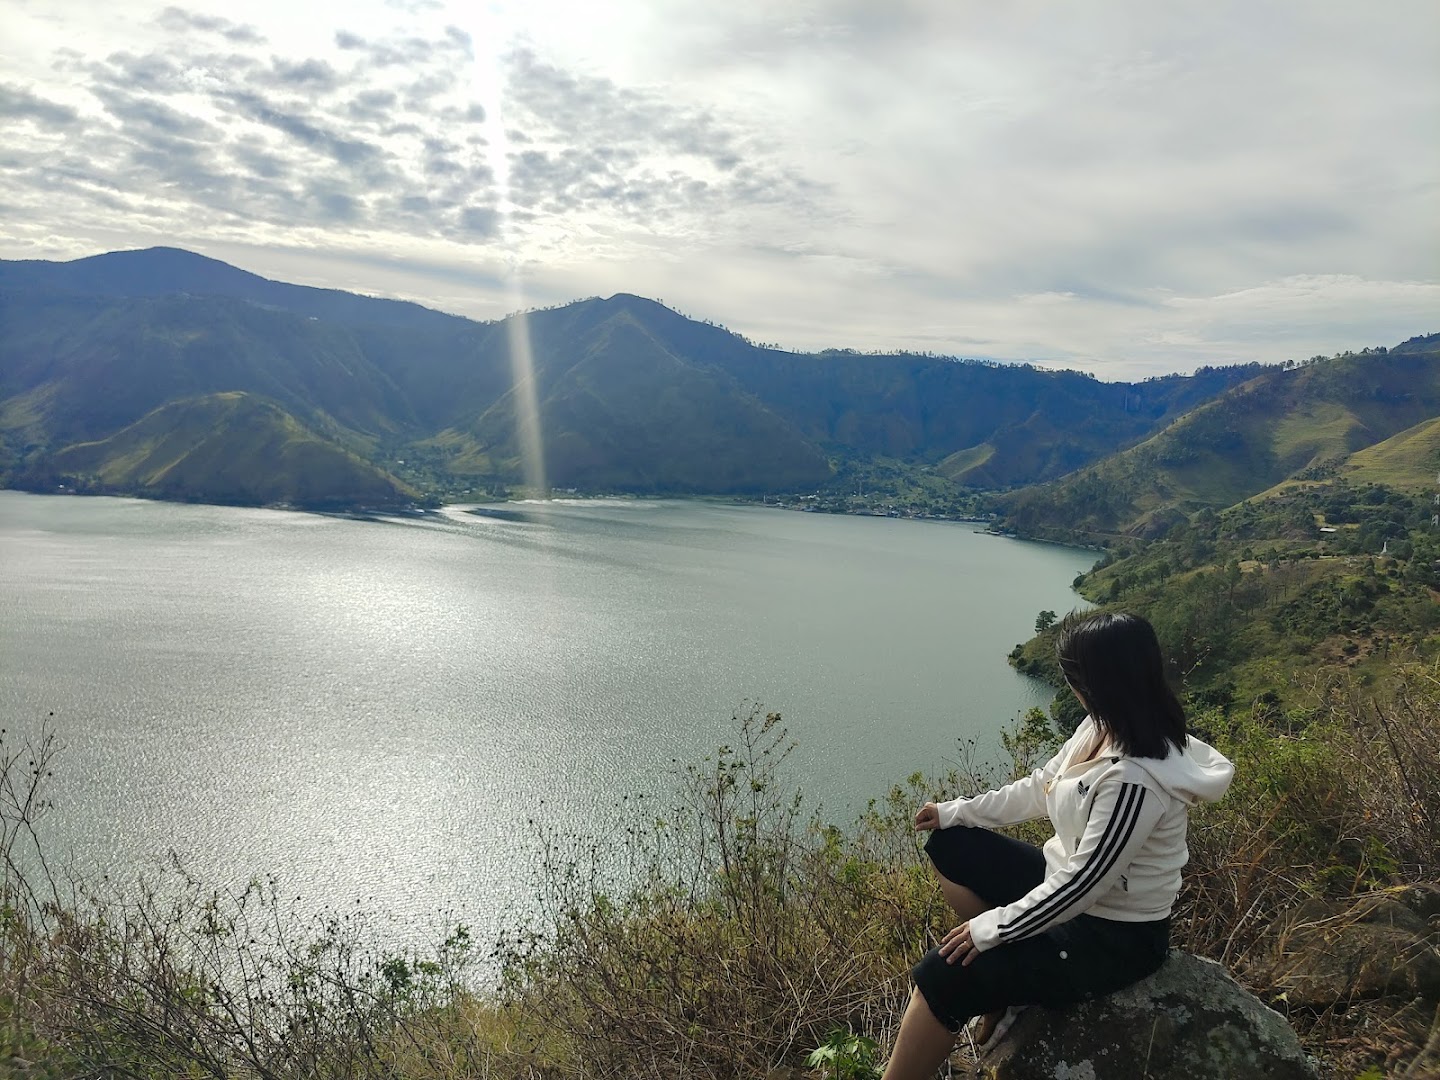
(732, 933)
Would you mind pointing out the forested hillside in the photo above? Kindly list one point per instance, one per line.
(631, 396)
(230, 448)
(1295, 423)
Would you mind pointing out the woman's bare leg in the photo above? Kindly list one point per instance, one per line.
(962, 900)
(922, 1045)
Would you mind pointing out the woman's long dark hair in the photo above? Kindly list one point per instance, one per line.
(1113, 662)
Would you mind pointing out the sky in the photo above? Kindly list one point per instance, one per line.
(1125, 188)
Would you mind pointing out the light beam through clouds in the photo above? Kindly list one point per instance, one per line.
(1127, 187)
(491, 38)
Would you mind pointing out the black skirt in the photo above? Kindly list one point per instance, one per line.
(1082, 958)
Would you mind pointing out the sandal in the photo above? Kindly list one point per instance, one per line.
(987, 1031)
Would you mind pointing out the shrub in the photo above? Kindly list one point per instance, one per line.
(733, 933)
(1337, 804)
(171, 979)
(748, 931)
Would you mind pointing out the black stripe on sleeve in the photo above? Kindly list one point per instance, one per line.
(1118, 831)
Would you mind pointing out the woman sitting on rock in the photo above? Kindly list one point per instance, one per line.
(1089, 913)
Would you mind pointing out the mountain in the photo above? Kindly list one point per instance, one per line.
(632, 396)
(1299, 423)
(165, 271)
(79, 367)
(1018, 422)
(631, 413)
(230, 448)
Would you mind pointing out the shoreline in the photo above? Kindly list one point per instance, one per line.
(565, 496)
(419, 512)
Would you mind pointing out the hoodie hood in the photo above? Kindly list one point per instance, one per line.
(1199, 773)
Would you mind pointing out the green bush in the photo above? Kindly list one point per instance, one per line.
(733, 933)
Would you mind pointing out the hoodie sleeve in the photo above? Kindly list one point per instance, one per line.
(1023, 800)
(1122, 816)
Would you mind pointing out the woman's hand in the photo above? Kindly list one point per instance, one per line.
(957, 945)
(927, 818)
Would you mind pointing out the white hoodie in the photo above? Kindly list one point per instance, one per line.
(1119, 840)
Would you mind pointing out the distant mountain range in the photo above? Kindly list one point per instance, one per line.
(1364, 417)
(165, 373)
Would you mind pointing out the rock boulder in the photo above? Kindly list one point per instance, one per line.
(1188, 1021)
(1381, 945)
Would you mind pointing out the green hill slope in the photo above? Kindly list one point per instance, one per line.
(631, 415)
(1408, 461)
(81, 367)
(229, 448)
(1302, 422)
(633, 395)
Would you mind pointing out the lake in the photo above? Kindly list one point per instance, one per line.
(373, 710)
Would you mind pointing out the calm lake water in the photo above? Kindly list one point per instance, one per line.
(373, 710)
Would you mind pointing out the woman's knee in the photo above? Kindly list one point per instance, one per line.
(957, 839)
(953, 851)
(992, 865)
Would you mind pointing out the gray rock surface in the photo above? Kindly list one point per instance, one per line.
(1188, 1021)
(1379, 946)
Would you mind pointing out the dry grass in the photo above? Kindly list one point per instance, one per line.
(172, 979)
(1346, 805)
(728, 939)
(746, 935)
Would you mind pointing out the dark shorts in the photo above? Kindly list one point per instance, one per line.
(1084, 957)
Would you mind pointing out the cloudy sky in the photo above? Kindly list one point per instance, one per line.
(1129, 188)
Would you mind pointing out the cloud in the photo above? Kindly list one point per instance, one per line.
(415, 7)
(385, 133)
(179, 20)
(19, 103)
(411, 51)
(372, 106)
(480, 220)
(310, 74)
(150, 117)
(188, 138)
(305, 130)
(583, 143)
(1113, 185)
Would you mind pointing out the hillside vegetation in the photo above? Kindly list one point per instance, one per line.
(744, 933)
(1409, 461)
(230, 448)
(632, 396)
(685, 428)
(1301, 423)
(1256, 605)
